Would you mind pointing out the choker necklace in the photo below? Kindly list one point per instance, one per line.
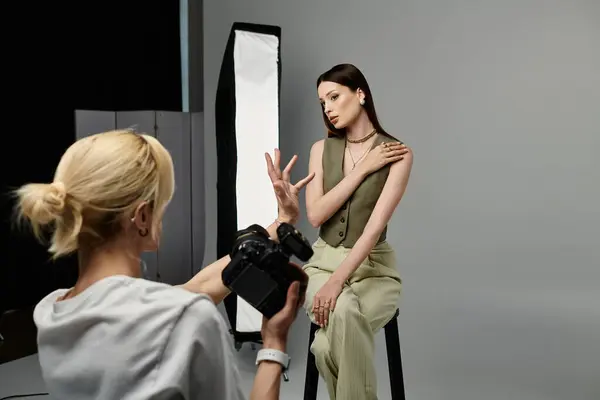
(362, 139)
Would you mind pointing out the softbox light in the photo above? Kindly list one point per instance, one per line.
(247, 126)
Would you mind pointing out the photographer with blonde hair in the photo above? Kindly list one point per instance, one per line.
(115, 335)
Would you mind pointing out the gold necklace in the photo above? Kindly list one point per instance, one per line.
(362, 139)
(352, 157)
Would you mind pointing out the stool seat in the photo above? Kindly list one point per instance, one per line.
(394, 356)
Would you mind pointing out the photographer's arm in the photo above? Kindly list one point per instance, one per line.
(208, 281)
(267, 382)
(274, 332)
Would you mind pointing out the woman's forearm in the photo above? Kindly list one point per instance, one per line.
(325, 206)
(389, 199)
(360, 251)
(209, 281)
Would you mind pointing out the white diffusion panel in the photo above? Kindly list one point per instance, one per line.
(257, 133)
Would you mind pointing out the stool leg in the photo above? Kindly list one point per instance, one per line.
(312, 373)
(394, 355)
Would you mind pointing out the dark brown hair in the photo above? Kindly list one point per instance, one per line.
(351, 77)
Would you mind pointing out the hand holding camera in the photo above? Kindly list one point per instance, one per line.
(260, 271)
(275, 330)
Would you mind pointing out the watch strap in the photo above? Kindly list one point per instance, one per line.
(276, 356)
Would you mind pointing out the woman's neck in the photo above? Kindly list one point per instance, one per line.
(359, 128)
(103, 262)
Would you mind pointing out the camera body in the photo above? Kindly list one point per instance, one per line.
(260, 271)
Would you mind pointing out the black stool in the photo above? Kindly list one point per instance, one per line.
(394, 356)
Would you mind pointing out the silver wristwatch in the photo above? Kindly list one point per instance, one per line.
(276, 356)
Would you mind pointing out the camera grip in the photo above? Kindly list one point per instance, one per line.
(303, 279)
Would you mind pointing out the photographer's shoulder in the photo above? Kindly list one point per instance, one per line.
(163, 295)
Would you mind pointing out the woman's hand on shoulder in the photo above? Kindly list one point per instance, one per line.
(400, 170)
(407, 157)
(382, 155)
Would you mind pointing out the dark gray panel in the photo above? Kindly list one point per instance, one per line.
(141, 122)
(88, 122)
(175, 253)
(198, 191)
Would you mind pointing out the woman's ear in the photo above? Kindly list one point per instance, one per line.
(141, 216)
(361, 95)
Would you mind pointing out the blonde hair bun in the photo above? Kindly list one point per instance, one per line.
(42, 203)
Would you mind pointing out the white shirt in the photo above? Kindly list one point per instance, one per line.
(127, 339)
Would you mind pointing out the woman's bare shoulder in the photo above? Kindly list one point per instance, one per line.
(317, 147)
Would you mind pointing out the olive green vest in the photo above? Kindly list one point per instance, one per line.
(348, 223)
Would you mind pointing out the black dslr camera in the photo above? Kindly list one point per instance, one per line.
(260, 271)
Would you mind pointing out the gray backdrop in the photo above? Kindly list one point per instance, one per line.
(498, 234)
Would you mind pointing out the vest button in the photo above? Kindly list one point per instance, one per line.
(341, 234)
(342, 220)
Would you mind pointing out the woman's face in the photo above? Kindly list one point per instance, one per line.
(340, 104)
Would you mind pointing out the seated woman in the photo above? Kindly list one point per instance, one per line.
(117, 336)
(361, 173)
